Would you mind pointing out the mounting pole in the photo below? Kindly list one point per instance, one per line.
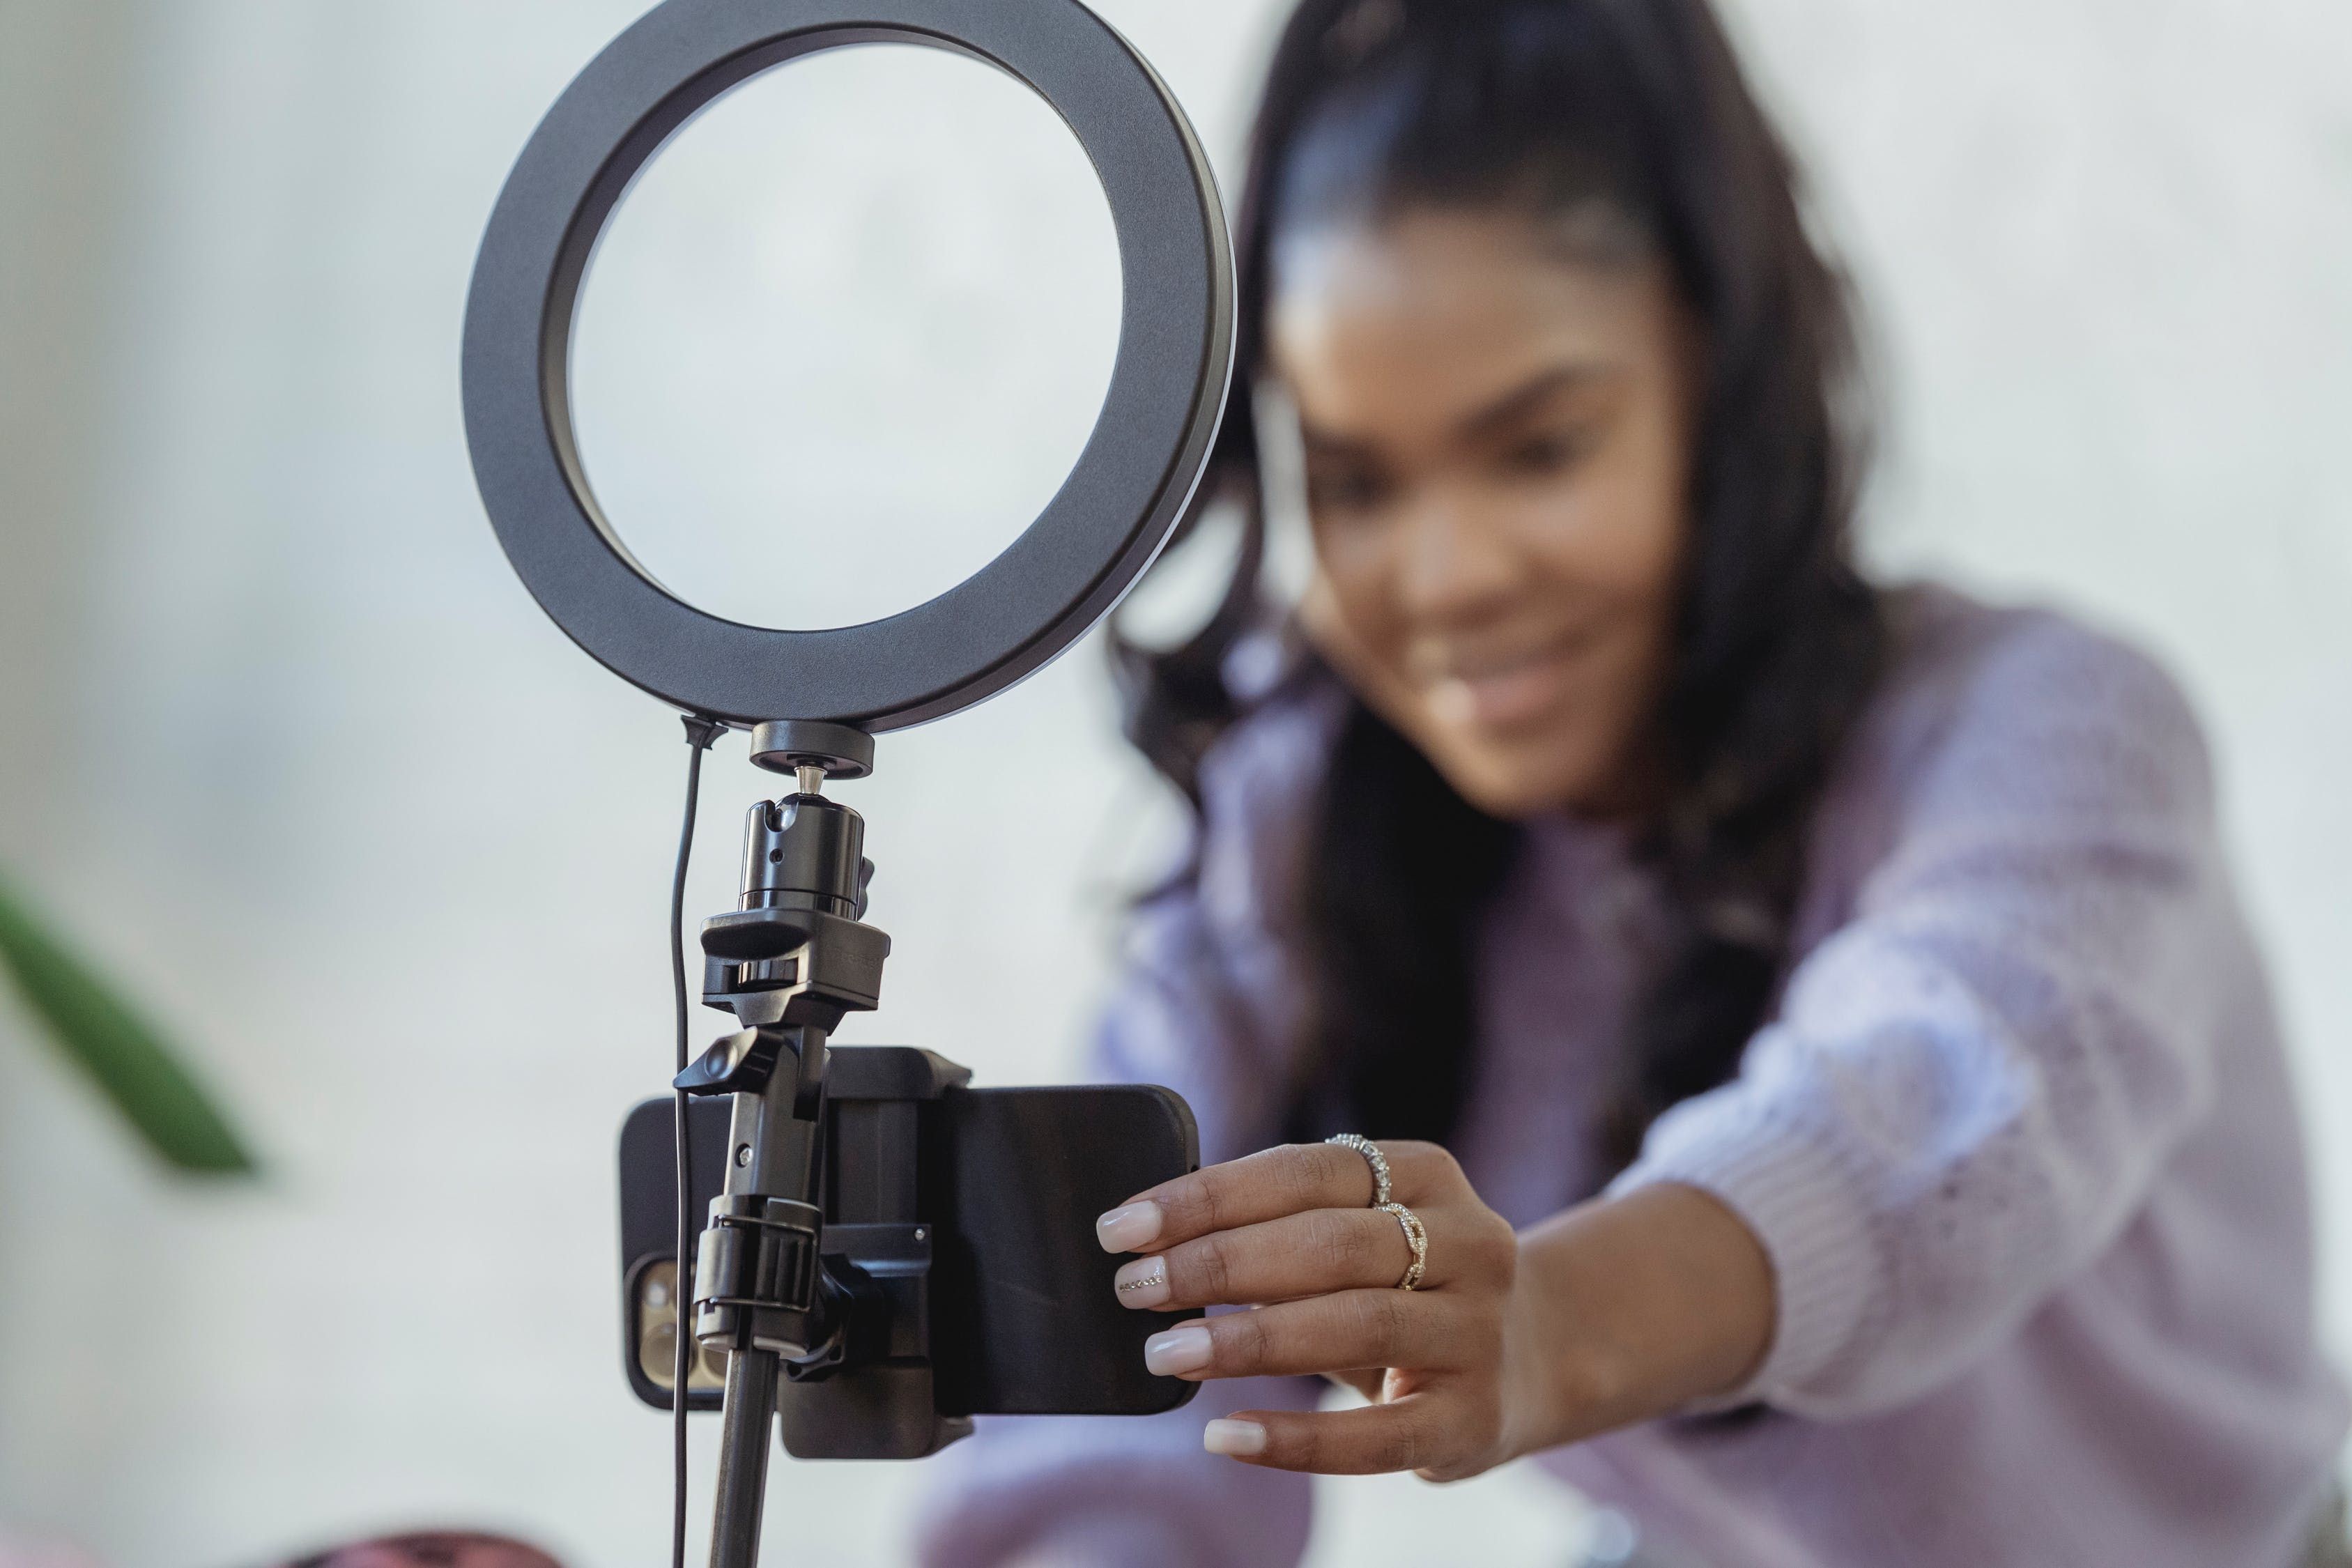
(790, 961)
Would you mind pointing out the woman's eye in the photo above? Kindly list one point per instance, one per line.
(1345, 491)
(1545, 456)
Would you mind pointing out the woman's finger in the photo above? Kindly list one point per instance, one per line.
(1309, 1253)
(1267, 1185)
(1369, 1381)
(1258, 1187)
(1371, 1440)
(1342, 1333)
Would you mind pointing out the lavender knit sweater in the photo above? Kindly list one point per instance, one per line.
(2018, 1138)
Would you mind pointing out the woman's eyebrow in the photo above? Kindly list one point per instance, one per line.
(1529, 395)
(1488, 419)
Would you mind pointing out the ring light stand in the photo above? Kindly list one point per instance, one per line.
(796, 956)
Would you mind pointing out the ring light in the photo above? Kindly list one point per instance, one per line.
(1108, 521)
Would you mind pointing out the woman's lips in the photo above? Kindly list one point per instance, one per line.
(1505, 696)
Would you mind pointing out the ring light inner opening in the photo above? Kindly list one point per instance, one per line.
(846, 337)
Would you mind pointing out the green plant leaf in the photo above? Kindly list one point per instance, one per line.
(128, 1061)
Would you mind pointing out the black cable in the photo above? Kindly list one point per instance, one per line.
(699, 734)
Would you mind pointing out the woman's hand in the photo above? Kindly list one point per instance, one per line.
(1290, 1229)
(1610, 1313)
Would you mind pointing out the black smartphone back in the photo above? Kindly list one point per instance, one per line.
(1025, 1319)
(1004, 1188)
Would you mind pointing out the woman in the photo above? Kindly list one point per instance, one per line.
(1834, 1105)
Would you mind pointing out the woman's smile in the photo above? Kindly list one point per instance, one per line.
(1500, 690)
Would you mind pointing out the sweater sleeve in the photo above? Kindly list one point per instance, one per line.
(1969, 1087)
(1195, 1011)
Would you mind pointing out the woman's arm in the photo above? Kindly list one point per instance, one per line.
(1973, 1085)
(1657, 1300)
(1970, 1090)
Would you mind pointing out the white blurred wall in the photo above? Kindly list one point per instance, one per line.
(282, 738)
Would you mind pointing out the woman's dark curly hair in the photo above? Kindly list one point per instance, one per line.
(1635, 110)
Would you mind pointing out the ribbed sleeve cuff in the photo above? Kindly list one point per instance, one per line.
(1804, 1209)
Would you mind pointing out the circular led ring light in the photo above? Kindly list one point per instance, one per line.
(1063, 573)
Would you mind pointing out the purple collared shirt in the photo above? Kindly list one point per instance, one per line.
(2018, 1138)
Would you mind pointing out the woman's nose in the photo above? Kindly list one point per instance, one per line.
(1456, 563)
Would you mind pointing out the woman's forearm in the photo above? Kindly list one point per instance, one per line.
(1634, 1307)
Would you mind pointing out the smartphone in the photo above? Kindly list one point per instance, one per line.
(993, 1191)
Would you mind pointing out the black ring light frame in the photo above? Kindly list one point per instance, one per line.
(1111, 517)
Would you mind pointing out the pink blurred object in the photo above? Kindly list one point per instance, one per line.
(454, 1548)
(16, 1554)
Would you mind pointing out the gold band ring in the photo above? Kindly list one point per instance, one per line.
(1417, 1235)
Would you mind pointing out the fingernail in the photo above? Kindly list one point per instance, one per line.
(1143, 1283)
(1178, 1351)
(1125, 1229)
(1241, 1440)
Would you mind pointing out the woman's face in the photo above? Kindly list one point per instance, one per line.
(1497, 451)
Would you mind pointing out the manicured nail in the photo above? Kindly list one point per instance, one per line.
(1143, 1283)
(1241, 1440)
(1178, 1351)
(1125, 1229)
